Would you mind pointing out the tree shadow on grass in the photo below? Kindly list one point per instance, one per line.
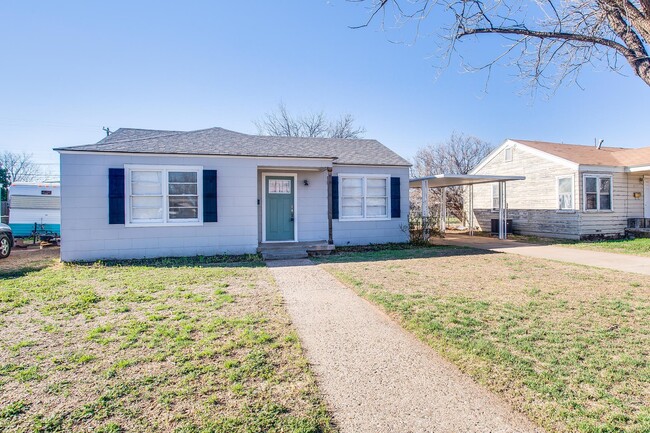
(377, 253)
(28, 268)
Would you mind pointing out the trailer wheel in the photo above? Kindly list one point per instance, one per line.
(5, 246)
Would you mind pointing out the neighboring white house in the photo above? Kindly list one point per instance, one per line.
(145, 193)
(571, 191)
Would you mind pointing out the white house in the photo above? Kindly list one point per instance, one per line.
(570, 191)
(145, 193)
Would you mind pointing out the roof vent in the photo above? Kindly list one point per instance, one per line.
(598, 143)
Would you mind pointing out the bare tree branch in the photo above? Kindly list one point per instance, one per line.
(20, 167)
(457, 155)
(554, 39)
(282, 123)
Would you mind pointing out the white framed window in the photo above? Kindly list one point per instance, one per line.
(597, 192)
(507, 154)
(495, 197)
(163, 195)
(364, 197)
(565, 193)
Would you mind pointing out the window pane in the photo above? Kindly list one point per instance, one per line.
(182, 188)
(139, 214)
(183, 201)
(605, 183)
(376, 188)
(146, 202)
(183, 213)
(564, 185)
(591, 201)
(146, 183)
(352, 186)
(375, 201)
(182, 176)
(376, 207)
(352, 207)
(565, 193)
(352, 201)
(279, 186)
(605, 202)
(591, 184)
(146, 208)
(146, 176)
(566, 201)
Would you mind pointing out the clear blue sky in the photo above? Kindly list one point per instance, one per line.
(69, 68)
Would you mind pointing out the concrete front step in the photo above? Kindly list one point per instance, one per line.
(285, 254)
(293, 250)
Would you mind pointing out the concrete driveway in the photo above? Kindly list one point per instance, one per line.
(618, 262)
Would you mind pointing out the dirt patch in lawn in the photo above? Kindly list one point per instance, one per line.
(566, 344)
(26, 259)
(146, 348)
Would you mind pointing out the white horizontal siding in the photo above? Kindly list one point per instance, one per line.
(532, 203)
(86, 234)
(614, 222)
(369, 231)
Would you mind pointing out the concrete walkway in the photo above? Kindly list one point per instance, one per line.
(618, 262)
(376, 377)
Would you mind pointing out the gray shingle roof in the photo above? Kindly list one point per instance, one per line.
(219, 141)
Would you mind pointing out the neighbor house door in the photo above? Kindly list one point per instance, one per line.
(279, 208)
(646, 196)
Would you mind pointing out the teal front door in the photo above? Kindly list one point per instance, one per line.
(280, 217)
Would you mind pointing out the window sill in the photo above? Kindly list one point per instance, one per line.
(364, 219)
(598, 211)
(184, 224)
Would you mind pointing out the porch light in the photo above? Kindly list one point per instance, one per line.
(306, 182)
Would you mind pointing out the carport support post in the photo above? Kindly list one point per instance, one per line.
(425, 208)
(443, 210)
(505, 212)
(502, 212)
(471, 209)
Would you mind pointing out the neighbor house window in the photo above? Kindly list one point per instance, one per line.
(495, 197)
(598, 192)
(507, 154)
(565, 193)
(163, 195)
(364, 197)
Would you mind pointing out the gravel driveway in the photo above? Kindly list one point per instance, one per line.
(375, 376)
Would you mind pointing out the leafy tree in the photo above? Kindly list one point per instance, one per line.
(4, 183)
(457, 155)
(547, 41)
(282, 123)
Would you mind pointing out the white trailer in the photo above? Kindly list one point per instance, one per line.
(34, 205)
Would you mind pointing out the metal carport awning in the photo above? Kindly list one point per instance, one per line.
(447, 180)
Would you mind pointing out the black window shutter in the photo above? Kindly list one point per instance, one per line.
(395, 198)
(116, 196)
(335, 197)
(210, 196)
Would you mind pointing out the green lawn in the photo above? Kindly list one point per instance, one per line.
(173, 345)
(565, 344)
(637, 247)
